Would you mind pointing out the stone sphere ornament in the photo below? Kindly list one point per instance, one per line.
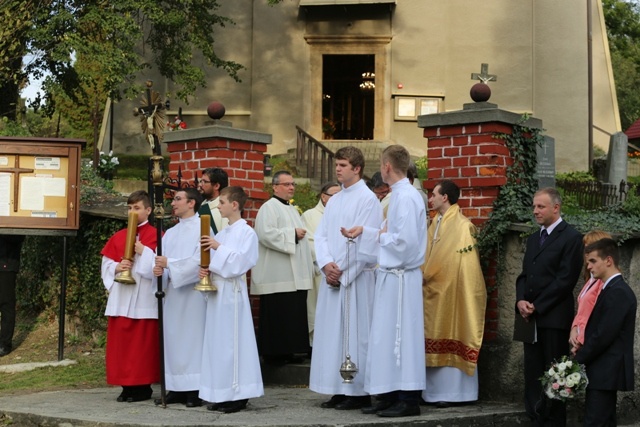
(480, 92)
(216, 110)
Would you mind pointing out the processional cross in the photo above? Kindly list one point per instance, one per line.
(152, 118)
(484, 75)
(17, 170)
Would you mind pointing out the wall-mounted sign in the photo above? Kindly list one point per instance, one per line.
(39, 183)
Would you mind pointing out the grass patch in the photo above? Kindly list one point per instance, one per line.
(36, 340)
(89, 372)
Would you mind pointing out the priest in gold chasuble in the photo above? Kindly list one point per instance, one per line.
(455, 299)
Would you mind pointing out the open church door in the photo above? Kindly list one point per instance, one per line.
(348, 88)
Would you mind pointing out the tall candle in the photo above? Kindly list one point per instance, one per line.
(205, 230)
(132, 230)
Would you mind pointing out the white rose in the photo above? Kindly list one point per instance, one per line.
(575, 377)
(569, 364)
(561, 382)
(551, 372)
(549, 393)
(562, 366)
(570, 383)
(564, 393)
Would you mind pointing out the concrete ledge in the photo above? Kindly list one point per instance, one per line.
(474, 116)
(280, 406)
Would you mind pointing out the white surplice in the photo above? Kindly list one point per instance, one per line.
(356, 205)
(311, 219)
(283, 265)
(230, 362)
(396, 342)
(133, 301)
(184, 307)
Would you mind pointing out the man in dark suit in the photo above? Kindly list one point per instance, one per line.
(608, 341)
(544, 294)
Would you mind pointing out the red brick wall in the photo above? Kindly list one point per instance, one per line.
(242, 160)
(476, 161)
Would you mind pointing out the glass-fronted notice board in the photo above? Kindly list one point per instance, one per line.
(39, 183)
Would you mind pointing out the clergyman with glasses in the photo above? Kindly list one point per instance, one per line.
(282, 276)
(210, 185)
(311, 219)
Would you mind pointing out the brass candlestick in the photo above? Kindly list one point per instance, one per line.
(205, 285)
(125, 276)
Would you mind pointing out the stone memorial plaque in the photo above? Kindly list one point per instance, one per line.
(546, 170)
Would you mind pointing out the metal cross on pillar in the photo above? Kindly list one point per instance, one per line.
(484, 75)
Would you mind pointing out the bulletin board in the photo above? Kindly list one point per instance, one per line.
(39, 183)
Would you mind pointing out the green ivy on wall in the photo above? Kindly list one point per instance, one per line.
(513, 204)
(39, 279)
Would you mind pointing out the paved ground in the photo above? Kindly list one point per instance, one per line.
(281, 406)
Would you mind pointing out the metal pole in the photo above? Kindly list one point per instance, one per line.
(156, 175)
(590, 79)
(63, 300)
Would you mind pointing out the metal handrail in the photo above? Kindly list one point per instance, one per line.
(307, 150)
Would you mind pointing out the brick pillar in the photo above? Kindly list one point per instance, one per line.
(462, 148)
(239, 152)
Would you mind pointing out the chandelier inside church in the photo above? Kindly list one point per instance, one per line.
(368, 81)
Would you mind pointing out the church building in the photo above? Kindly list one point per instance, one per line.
(364, 70)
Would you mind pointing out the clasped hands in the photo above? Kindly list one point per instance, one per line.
(525, 308)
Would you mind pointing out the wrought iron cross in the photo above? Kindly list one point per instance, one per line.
(17, 170)
(484, 75)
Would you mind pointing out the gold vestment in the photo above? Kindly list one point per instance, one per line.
(454, 294)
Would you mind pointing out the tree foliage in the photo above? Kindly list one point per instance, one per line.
(622, 18)
(87, 52)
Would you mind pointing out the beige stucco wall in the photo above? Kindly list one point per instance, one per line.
(537, 48)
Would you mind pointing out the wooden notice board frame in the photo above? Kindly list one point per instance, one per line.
(39, 183)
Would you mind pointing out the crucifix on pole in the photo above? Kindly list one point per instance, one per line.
(153, 122)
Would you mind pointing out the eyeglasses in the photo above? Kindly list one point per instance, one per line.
(287, 184)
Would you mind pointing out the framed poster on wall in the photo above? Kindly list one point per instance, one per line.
(408, 108)
(39, 183)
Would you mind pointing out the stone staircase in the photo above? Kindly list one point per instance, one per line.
(370, 149)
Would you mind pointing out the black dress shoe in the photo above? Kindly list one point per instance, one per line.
(335, 399)
(213, 407)
(123, 396)
(442, 405)
(235, 406)
(400, 409)
(380, 405)
(138, 393)
(4, 350)
(193, 401)
(172, 397)
(354, 402)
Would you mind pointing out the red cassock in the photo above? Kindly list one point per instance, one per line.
(132, 353)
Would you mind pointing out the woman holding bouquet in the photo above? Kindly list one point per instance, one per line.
(587, 296)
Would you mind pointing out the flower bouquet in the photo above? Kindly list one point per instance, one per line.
(564, 380)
